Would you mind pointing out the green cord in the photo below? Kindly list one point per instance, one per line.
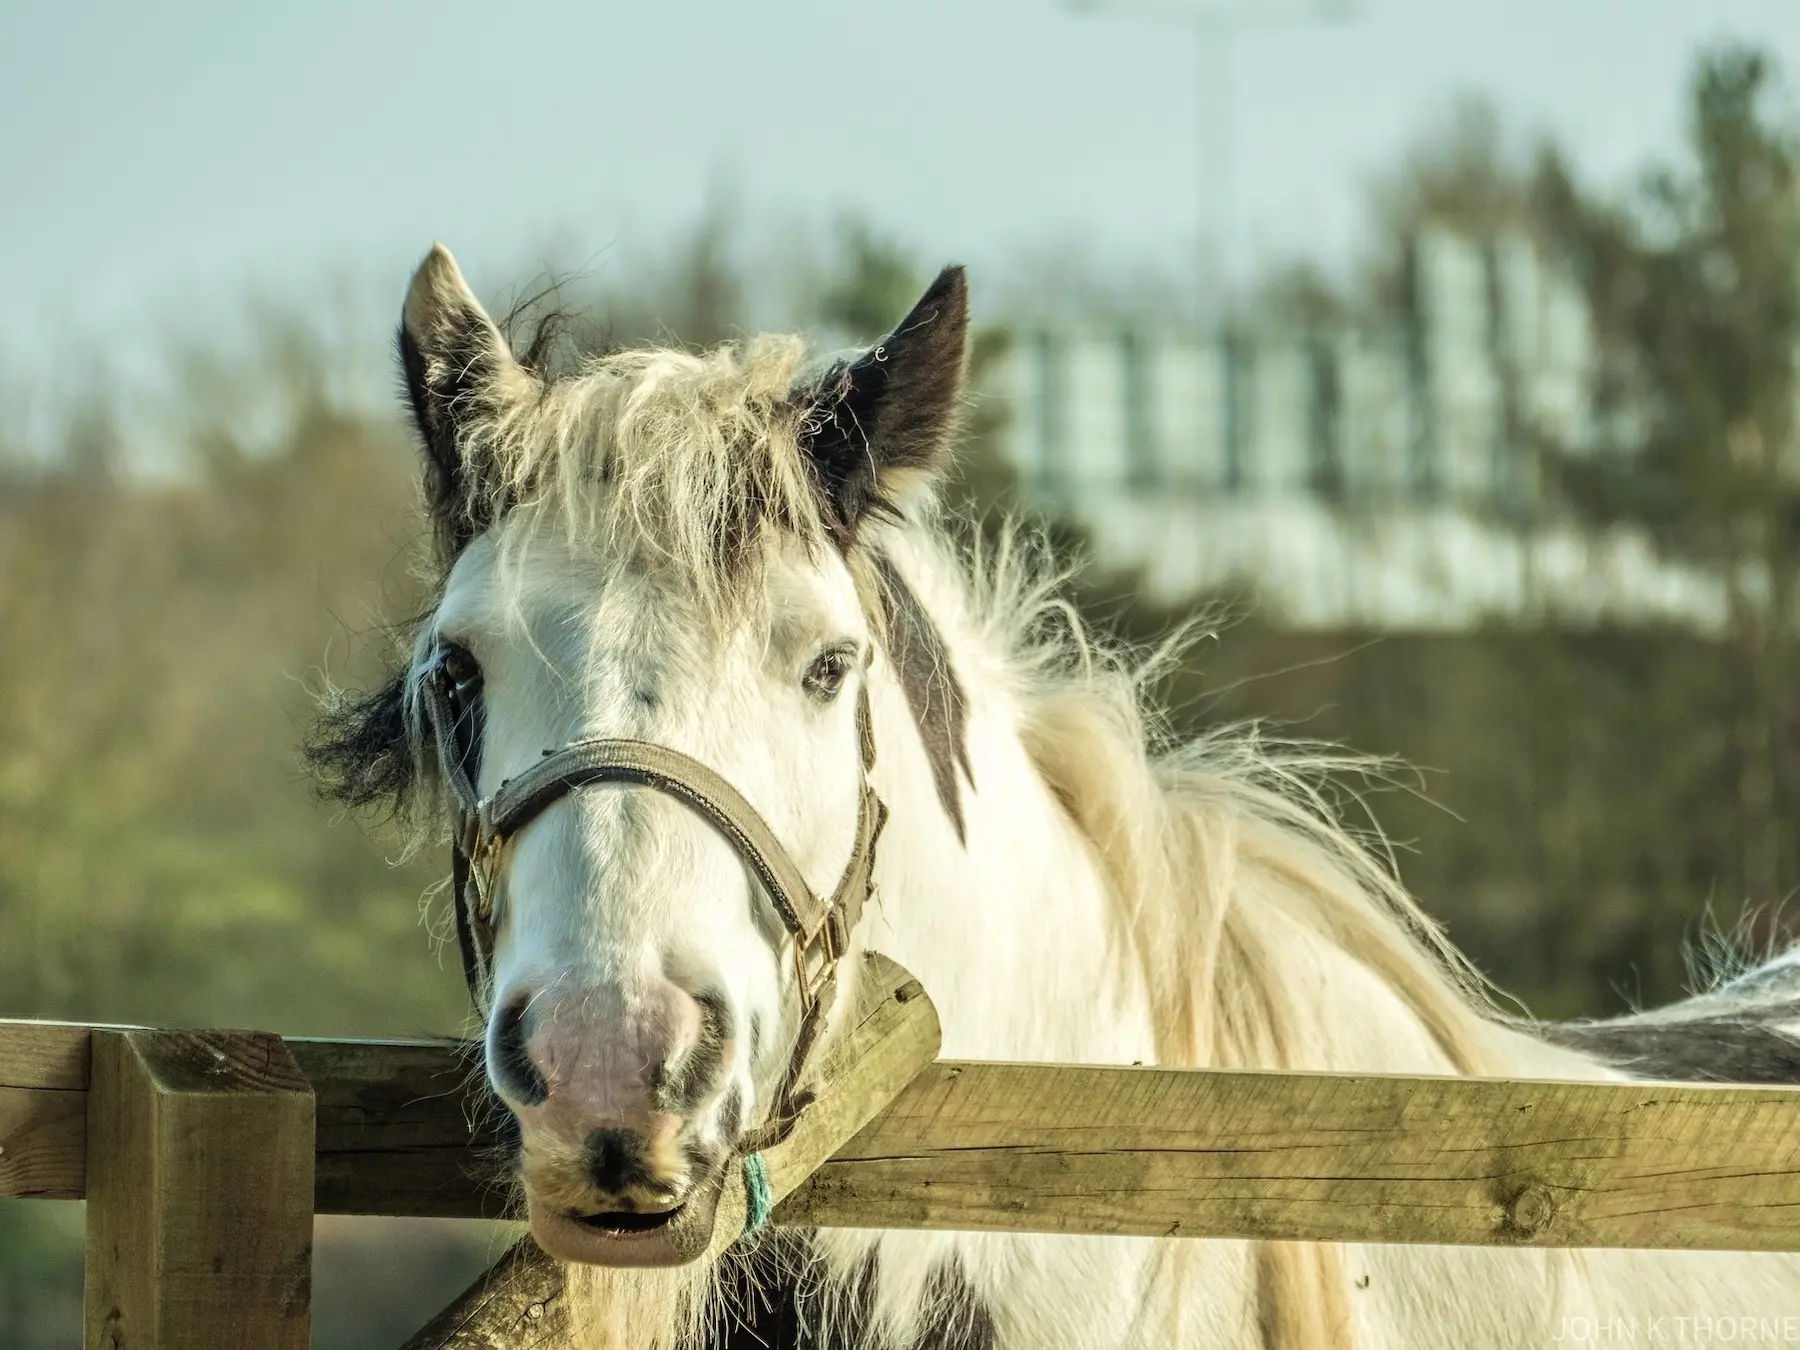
(758, 1198)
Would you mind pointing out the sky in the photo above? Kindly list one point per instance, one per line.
(160, 160)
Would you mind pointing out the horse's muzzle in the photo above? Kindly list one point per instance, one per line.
(615, 1089)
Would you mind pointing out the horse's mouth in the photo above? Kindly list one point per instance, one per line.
(626, 1223)
(667, 1237)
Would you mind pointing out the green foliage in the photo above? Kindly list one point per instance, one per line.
(1696, 299)
(162, 858)
(1697, 302)
(1562, 801)
(874, 282)
(41, 1247)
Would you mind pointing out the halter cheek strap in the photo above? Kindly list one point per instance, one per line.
(820, 927)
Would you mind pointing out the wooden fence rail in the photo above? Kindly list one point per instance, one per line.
(400, 1128)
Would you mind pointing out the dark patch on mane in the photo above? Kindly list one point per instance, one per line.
(939, 707)
(771, 1300)
(359, 753)
(1698, 1050)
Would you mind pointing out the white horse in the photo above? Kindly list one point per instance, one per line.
(725, 554)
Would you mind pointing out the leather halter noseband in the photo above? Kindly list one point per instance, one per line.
(820, 927)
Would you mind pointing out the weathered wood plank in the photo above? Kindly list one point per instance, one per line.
(516, 1304)
(1040, 1146)
(406, 1128)
(43, 1143)
(891, 1035)
(1071, 1149)
(403, 1127)
(43, 1109)
(199, 1221)
(49, 1055)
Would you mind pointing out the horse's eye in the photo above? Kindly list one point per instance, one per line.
(459, 666)
(827, 673)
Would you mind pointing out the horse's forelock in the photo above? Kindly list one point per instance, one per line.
(686, 464)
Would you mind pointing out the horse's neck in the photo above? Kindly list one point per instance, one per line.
(1009, 926)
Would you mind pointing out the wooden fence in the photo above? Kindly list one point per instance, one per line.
(204, 1155)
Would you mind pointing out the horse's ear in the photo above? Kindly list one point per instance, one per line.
(461, 377)
(880, 422)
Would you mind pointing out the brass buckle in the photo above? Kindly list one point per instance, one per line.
(483, 863)
(816, 962)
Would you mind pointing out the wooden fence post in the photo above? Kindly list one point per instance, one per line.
(199, 1191)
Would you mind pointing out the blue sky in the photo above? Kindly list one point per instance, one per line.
(155, 159)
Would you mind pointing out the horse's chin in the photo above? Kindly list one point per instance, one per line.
(673, 1238)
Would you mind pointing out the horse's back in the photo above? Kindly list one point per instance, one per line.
(1745, 1030)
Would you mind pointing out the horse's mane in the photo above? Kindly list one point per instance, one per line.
(1215, 851)
(1205, 842)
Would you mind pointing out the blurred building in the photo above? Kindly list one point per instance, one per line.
(1352, 476)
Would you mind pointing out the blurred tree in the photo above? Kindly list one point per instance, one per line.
(1697, 310)
(1464, 174)
(703, 299)
(161, 635)
(1302, 296)
(872, 282)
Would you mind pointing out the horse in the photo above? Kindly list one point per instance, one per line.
(737, 558)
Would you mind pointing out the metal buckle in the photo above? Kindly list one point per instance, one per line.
(482, 863)
(815, 962)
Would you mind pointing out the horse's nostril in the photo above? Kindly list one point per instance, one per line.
(617, 1161)
(514, 1074)
(683, 1084)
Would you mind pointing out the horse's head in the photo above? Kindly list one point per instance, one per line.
(661, 548)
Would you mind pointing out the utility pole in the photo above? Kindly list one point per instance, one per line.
(1215, 27)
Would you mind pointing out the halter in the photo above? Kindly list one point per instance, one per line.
(820, 928)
